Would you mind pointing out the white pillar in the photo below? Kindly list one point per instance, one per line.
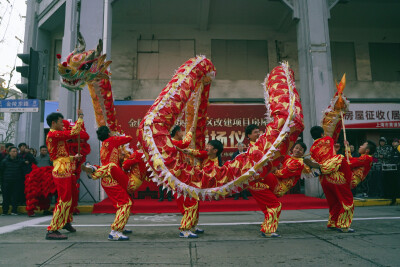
(67, 101)
(95, 24)
(315, 66)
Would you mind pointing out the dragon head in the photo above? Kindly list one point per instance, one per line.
(82, 66)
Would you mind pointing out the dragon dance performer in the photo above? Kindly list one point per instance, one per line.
(177, 137)
(360, 166)
(114, 180)
(56, 142)
(275, 184)
(190, 207)
(335, 180)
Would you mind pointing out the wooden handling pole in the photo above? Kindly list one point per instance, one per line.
(344, 135)
(79, 107)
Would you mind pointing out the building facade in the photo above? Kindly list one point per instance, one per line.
(148, 39)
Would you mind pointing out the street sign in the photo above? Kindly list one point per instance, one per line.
(19, 105)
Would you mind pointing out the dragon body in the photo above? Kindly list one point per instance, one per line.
(186, 97)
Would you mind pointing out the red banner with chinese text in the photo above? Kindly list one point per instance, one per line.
(226, 122)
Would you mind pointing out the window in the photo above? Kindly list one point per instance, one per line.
(240, 59)
(53, 68)
(385, 61)
(343, 61)
(158, 59)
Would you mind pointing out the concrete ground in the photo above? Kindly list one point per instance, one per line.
(231, 239)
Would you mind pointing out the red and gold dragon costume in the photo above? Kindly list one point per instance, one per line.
(186, 95)
(335, 171)
(267, 189)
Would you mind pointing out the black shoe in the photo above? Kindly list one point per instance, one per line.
(169, 199)
(245, 198)
(127, 231)
(55, 235)
(161, 199)
(69, 228)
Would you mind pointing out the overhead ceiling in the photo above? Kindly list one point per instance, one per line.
(268, 13)
(243, 12)
(366, 14)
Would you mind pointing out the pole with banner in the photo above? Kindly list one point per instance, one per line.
(340, 106)
(79, 108)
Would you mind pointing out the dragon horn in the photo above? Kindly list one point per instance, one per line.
(99, 48)
(81, 46)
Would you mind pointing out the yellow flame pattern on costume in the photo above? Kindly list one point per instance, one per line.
(346, 217)
(271, 220)
(190, 217)
(60, 215)
(330, 168)
(121, 216)
(331, 223)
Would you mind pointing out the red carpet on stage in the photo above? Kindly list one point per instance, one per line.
(289, 202)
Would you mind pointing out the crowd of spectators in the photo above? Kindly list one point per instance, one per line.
(15, 164)
(383, 179)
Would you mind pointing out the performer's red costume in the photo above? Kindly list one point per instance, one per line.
(267, 190)
(76, 164)
(114, 180)
(189, 207)
(360, 167)
(182, 144)
(335, 180)
(56, 142)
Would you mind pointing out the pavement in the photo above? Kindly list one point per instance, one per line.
(231, 239)
(87, 207)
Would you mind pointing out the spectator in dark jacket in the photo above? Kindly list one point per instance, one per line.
(43, 159)
(392, 177)
(26, 156)
(12, 173)
(4, 154)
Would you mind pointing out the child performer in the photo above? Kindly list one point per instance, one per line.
(360, 166)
